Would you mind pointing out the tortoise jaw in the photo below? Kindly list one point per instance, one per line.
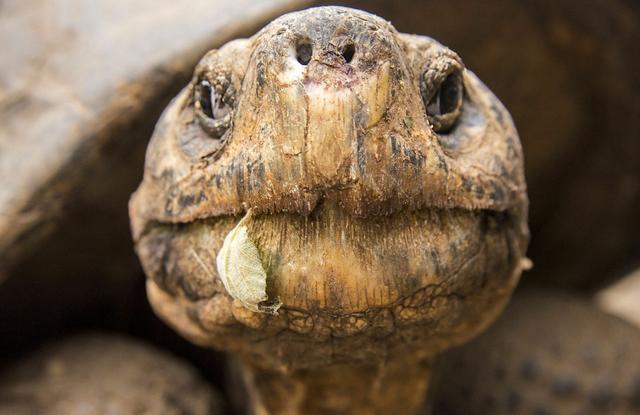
(333, 262)
(431, 276)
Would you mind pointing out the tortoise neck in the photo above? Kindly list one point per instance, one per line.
(397, 387)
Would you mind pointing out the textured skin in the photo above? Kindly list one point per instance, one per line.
(103, 374)
(385, 241)
(548, 353)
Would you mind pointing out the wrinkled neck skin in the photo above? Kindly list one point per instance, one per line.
(342, 222)
(399, 386)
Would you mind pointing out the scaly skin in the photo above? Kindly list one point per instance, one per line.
(388, 233)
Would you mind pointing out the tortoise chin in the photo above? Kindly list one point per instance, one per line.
(430, 276)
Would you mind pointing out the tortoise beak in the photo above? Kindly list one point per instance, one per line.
(337, 108)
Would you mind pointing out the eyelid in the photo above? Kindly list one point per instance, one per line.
(221, 88)
(437, 70)
(433, 78)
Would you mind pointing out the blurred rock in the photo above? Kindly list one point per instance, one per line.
(549, 353)
(102, 374)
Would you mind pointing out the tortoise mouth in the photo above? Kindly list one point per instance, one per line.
(429, 276)
(330, 262)
(336, 263)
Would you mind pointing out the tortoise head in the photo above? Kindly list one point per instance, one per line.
(384, 183)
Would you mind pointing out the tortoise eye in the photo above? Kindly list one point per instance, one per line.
(213, 107)
(448, 98)
(205, 94)
(443, 103)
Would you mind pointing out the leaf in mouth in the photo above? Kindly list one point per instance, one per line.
(241, 270)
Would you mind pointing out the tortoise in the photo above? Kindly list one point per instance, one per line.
(335, 203)
(551, 155)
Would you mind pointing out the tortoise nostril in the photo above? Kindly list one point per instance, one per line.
(304, 52)
(348, 51)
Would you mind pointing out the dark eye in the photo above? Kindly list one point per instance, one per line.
(213, 107)
(444, 102)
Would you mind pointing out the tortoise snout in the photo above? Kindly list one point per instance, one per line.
(337, 53)
(343, 47)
